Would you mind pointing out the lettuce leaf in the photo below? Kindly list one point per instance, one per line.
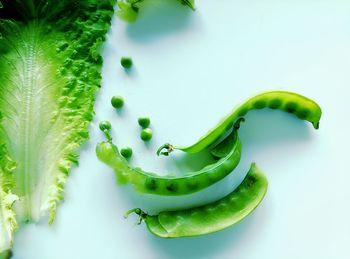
(50, 72)
(8, 223)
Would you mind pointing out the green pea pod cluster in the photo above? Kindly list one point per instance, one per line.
(228, 210)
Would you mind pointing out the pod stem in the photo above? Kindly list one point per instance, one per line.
(108, 135)
(142, 215)
(168, 147)
(237, 124)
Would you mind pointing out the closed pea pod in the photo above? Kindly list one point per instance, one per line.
(147, 182)
(212, 217)
(301, 106)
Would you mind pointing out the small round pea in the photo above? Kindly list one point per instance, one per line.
(126, 62)
(117, 102)
(105, 125)
(146, 134)
(126, 152)
(144, 122)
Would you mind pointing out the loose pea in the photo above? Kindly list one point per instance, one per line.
(117, 102)
(144, 122)
(126, 62)
(105, 125)
(146, 134)
(126, 152)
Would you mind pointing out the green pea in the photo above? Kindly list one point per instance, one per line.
(105, 126)
(212, 217)
(275, 103)
(126, 152)
(172, 186)
(260, 104)
(189, 182)
(243, 112)
(144, 122)
(291, 107)
(302, 113)
(126, 62)
(146, 134)
(117, 102)
(301, 106)
(192, 184)
(151, 183)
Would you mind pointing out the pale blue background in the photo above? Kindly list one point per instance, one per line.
(190, 70)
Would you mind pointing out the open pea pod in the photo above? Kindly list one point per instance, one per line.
(301, 106)
(212, 217)
(190, 182)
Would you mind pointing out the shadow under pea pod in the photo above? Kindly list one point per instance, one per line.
(268, 130)
(157, 18)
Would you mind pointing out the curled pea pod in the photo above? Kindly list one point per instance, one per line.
(301, 106)
(212, 217)
(227, 152)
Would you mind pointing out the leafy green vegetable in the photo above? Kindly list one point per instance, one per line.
(189, 3)
(50, 71)
(129, 9)
(8, 223)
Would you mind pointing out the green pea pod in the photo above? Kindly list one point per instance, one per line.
(146, 182)
(213, 217)
(301, 106)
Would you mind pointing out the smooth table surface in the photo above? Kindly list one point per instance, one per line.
(191, 69)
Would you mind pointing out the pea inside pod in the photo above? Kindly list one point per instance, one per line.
(190, 182)
(301, 106)
(212, 217)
